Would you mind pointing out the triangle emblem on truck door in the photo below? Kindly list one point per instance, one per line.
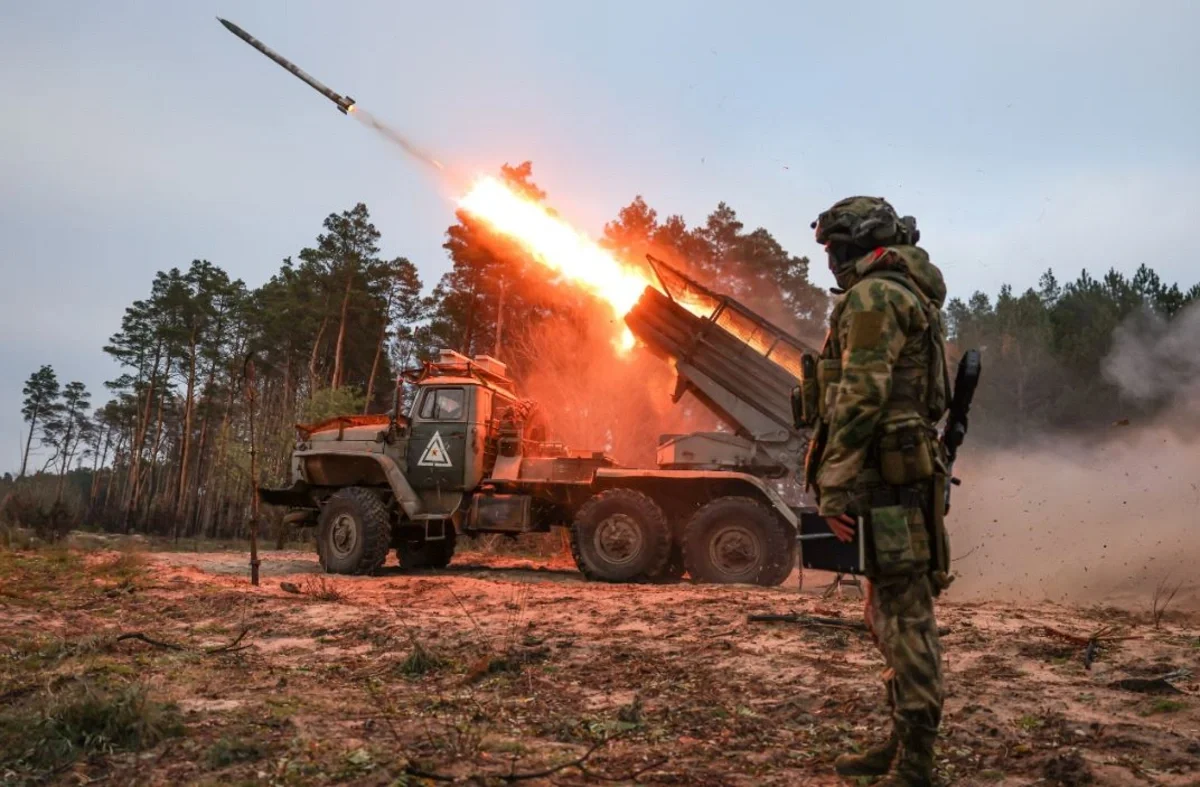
(435, 454)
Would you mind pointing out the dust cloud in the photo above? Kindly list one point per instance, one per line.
(1092, 522)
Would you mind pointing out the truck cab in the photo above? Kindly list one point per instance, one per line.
(452, 426)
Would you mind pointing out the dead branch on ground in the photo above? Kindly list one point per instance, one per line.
(579, 763)
(1101, 635)
(233, 646)
(813, 620)
(1091, 644)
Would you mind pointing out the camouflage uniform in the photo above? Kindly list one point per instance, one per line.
(882, 386)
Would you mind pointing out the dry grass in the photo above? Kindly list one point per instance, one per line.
(322, 588)
(53, 728)
(1164, 594)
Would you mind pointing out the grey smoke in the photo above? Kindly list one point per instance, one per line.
(395, 137)
(1156, 361)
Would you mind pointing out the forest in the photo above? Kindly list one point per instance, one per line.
(206, 361)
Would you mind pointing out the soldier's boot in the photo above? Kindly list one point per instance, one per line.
(914, 765)
(875, 761)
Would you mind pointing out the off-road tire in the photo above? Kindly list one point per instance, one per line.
(782, 569)
(419, 553)
(738, 540)
(363, 550)
(604, 520)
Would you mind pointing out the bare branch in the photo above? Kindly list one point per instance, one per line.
(579, 763)
(231, 647)
(140, 637)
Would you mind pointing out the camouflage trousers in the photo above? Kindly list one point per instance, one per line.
(900, 617)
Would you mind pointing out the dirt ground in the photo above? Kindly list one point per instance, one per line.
(501, 670)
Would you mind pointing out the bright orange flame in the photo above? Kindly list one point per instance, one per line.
(557, 245)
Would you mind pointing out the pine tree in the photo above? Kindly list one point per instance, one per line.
(41, 405)
(68, 428)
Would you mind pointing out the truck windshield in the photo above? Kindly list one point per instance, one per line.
(443, 404)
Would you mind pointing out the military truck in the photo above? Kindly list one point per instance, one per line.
(471, 457)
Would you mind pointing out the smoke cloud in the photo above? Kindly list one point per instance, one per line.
(596, 399)
(1154, 361)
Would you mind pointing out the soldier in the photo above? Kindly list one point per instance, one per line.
(875, 459)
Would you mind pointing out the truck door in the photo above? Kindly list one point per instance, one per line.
(437, 453)
(479, 436)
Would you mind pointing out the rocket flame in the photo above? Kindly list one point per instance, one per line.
(557, 245)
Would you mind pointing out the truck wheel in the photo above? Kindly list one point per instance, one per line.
(737, 540)
(620, 535)
(782, 569)
(419, 553)
(355, 531)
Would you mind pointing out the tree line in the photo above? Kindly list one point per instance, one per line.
(169, 452)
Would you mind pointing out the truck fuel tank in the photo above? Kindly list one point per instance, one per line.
(500, 513)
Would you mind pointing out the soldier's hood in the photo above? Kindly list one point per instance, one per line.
(913, 261)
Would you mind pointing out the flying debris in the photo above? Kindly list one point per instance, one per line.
(344, 103)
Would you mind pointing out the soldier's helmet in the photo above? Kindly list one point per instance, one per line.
(865, 222)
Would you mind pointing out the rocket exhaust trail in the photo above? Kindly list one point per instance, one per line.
(345, 104)
(394, 136)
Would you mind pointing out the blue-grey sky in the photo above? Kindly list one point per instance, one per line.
(136, 136)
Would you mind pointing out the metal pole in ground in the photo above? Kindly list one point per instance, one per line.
(248, 372)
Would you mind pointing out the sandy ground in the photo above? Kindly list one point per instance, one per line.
(501, 666)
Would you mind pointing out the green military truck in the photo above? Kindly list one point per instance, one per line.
(471, 457)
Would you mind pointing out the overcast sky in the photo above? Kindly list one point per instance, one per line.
(138, 136)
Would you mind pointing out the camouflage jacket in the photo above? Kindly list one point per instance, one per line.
(880, 366)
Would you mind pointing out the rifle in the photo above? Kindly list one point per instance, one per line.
(970, 367)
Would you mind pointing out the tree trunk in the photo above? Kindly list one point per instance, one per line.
(186, 439)
(66, 452)
(108, 497)
(122, 481)
(217, 472)
(96, 465)
(313, 382)
(378, 351)
(469, 329)
(135, 454)
(29, 440)
(193, 493)
(284, 418)
(499, 321)
(152, 469)
(341, 337)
